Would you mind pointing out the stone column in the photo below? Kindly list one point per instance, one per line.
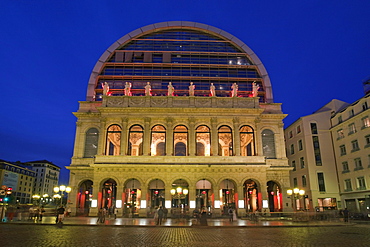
(102, 137)
(146, 144)
(169, 137)
(168, 196)
(192, 143)
(236, 137)
(258, 138)
(144, 191)
(124, 136)
(95, 195)
(214, 137)
(119, 195)
(79, 141)
(241, 210)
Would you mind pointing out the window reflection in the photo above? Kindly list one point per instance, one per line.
(113, 140)
(158, 144)
(180, 140)
(246, 141)
(203, 141)
(225, 141)
(135, 145)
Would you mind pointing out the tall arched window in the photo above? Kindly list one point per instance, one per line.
(180, 140)
(135, 141)
(225, 141)
(203, 141)
(268, 143)
(247, 141)
(158, 144)
(113, 140)
(91, 142)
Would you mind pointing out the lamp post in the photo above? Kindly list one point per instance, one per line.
(61, 189)
(36, 199)
(179, 193)
(297, 194)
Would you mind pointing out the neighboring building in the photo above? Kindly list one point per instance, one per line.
(47, 176)
(351, 138)
(19, 178)
(142, 143)
(310, 152)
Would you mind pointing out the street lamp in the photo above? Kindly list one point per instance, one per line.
(179, 193)
(61, 189)
(297, 194)
(36, 199)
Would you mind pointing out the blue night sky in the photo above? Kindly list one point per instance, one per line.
(313, 50)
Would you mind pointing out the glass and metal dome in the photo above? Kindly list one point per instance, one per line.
(180, 53)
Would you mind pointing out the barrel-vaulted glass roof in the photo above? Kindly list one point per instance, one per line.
(180, 53)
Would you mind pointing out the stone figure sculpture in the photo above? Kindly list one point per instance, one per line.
(105, 86)
(191, 89)
(234, 91)
(255, 88)
(148, 89)
(171, 89)
(128, 86)
(212, 89)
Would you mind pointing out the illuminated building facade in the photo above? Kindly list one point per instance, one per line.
(351, 143)
(181, 115)
(20, 178)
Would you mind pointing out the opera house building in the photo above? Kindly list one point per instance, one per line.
(179, 115)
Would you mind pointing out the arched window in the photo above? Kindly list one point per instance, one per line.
(247, 141)
(225, 141)
(268, 143)
(91, 142)
(158, 144)
(203, 141)
(113, 140)
(135, 141)
(180, 140)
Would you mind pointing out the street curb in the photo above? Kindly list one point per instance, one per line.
(155, 226)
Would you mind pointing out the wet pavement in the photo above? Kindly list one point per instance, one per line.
(75, 232)
(149, 222)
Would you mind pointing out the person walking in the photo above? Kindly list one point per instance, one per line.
(60, 214)
(231, 214)
(345, 214)
(203, 218)
(160, 215)
(41, 212)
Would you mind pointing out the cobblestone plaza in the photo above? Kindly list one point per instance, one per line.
(49, 235)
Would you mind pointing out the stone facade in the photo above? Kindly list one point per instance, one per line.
(135, 153)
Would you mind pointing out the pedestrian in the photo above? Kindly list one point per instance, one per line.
(115, 212)
(231, 216)
(60, 214)
(101, 216)
(345, 213)
(31, 213)
(234, 215)
(41, 212)
(160, 215)
(11, 212)
(36, 213)
(165, 211)
(203, 218)
(69, 211)
(156, 215)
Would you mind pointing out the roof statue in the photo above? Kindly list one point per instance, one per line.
(171, 89)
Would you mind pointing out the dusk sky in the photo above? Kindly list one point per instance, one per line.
(313, 50)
